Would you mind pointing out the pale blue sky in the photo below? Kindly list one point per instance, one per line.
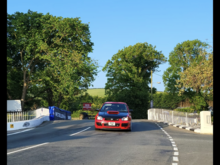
(115, 24)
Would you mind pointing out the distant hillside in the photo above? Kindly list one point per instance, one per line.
(96, 92)
(101, 92)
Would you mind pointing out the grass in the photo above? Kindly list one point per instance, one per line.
(97, 92)
(100, 92)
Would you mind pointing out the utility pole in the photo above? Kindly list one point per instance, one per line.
(151, 90)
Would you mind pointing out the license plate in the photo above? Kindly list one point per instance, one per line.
(111, 123)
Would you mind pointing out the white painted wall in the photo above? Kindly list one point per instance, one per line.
(206, 124)
(13, 105)
(42, 115)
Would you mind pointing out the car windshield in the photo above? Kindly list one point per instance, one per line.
(114, 107)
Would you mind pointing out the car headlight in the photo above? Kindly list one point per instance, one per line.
(99, 118)
(124, 119)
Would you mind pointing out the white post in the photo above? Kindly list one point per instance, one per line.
(186, 120)
(172, 117)
(205, 118)
(154, 115)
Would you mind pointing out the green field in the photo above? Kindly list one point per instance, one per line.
(101, 92)
(96, 92)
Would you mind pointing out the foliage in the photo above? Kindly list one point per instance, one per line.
(129, 73)
(199, 76)
(76, 113)
(183, 55)
(185, 109)
(199, 103)
(98, 102)
(167, 100)
(50, 55)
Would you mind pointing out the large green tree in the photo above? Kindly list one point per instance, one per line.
(199, 77)
(180, 59)
(129, 73)
(51, 53)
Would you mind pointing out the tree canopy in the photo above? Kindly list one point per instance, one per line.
(129, 73)
(49, 54)
(183, 55)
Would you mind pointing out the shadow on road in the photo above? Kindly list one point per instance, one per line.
(55, 131)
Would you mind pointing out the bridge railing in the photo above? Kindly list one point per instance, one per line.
(20, 116)
(175, 117)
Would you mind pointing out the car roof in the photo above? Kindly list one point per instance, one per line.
(111, 102)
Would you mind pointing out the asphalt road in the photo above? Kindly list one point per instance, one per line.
(51, 143)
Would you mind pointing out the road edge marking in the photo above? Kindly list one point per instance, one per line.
(20, 132)
(27, 148)
(80, 131)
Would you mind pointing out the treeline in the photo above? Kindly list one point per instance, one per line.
(48, 65)
(47, 59)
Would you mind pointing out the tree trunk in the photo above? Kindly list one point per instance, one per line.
(50, 97)
(59, 100)
(23, 90)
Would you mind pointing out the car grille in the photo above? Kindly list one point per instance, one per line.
(99, 124)
(112, 119)
(124, 124)
(116, 125)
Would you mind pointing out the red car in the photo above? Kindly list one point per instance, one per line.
(114, 116)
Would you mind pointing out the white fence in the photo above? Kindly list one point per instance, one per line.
(175, 117)
(28, 115)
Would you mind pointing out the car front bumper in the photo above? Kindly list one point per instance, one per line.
(119, 125)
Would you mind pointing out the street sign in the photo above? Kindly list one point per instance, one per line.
(87, 106)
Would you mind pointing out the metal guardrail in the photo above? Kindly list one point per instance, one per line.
(20, 116)
(175, 117)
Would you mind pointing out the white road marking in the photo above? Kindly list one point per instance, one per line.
(175, 159)
(26, 148)
(174, 163)
(79, 131)
(176, 153)
(20, 132)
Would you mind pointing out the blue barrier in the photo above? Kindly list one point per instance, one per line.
(59, 114)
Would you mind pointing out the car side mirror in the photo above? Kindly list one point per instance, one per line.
(97, 109)
(130, 110)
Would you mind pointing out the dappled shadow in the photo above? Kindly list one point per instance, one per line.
(55, 131)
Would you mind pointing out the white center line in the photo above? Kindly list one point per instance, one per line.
(27, 148)
(175, 159)
(176, 153)
(175, 148)
(79, 131)
(174, 164)
(19, 132)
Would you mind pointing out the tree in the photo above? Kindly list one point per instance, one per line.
(199, 77)
(51, 53)
(180, 59)
(129, 73)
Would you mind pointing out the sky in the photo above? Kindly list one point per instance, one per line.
(115, 24)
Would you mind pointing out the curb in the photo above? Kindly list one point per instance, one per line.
(196, 130)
